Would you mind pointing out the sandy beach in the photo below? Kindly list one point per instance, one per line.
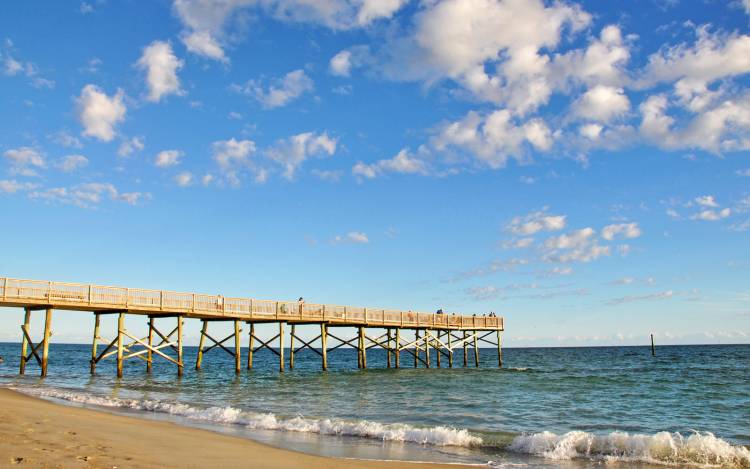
(39, 433)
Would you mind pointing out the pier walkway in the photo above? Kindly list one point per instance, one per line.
(442, 333)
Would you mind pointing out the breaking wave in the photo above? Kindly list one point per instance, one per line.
(700, 449)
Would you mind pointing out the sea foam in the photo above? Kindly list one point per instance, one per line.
(434, 436)
(700, 449)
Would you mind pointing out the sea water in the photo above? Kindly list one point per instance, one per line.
(546, 408)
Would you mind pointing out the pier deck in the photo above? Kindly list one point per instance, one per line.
(157, 304)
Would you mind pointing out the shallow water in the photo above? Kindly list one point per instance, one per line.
(549, 407)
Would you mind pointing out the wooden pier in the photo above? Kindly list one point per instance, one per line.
(443, 333)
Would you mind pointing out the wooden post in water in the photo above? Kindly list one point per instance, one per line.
(120, 327)
(291, 349)
(390, 346)
(324, 345)
(398, 347)
(499, 349)
(466, 353)
(150, 354)
(93, 343)
(24, 340)
(426, 348)
(45, 345)
(416, 349)
(364, 347)
(476, 351)
(450, 348)
(237, 347)
(437, 349)
(250, 347)
(180, 362)
(201, 341)
(281, 346)
(653, 349)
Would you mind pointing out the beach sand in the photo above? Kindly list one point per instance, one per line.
(39, 433)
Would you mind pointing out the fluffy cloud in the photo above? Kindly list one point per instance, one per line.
(576, 246)
(706, 201)
(25, 161)
(290, 153)
(402, 163)
(99, 113)
(280, 92)
(602, 62)
(130, 146)
(353, 237)
(535, 222)
(88, 195)
(184, 179)
(204, 44)
(161, 66)
(711, 215)
(11, 186)
(602, 103)
(622, 230)
(494, 138)
(232, 156)
(72, 163)
(341, 64)
(167, 158)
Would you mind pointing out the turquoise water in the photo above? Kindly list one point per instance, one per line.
(548, 407)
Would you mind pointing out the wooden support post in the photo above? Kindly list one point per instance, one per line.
(45, 346)
(437, 349)
(180, 362)
(653, 348)
(416, 349)
(120, 327)
(291, 348)
(281, 346)
(150, 353)
(499, 349)
(427, 348)
(201, 341)
(476, 351)
(398, 347)
(237, 347)
(24, 340)
(363, 347)
(390, 346)
(324, 345)
(450, 349)
(250, 347)
(93, 343)
(466, 355)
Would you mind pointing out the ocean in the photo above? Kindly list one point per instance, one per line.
(547, 408)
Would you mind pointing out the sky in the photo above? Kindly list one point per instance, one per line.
(580, 168)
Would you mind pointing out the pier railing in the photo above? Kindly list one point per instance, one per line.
(77, 296)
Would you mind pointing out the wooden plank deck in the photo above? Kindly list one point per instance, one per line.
(98, 298)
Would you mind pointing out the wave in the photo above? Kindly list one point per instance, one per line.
(701, 449)
(434, 436)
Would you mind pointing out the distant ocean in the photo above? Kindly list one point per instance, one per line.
(548, 408)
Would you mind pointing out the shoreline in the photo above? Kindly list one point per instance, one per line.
(40, 433)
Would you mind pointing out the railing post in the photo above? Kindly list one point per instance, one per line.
(161, 301)
(127, 298)
(5, 288)
(90, 295)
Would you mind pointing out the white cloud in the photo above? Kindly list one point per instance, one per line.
(25, 161)
(204, 44)
(290, 153)
(71, 163)
(130, 146)
(341, 64)
(712, 215)
(184, 179)
(602, 103)
(622, 230)
(577, 246)
(65, 139)
(232, 156)
(494, 138)
(88, 195)
(353, 237)
(590, 131)
(601, 63)
(11, 186)
(161, 66)
(402, 163)
(98, 113)
(167, 158)
(13, 67)
(535, 222)
(706, 201)
(664, 295)
(280, 92)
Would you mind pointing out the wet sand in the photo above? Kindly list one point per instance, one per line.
(39, 433)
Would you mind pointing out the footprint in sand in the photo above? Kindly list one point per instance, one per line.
(16, 460)
(83, 458)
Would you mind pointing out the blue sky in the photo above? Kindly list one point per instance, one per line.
(580, 168)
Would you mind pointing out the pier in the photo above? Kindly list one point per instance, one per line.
(167, 311)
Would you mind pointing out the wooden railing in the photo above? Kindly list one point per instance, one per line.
(97, 297)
